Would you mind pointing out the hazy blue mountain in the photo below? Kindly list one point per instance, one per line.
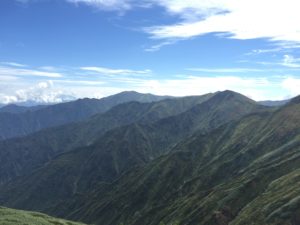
(13, 108)
(21, 124)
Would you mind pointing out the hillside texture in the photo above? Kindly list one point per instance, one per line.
(18, 217)
(220, 160)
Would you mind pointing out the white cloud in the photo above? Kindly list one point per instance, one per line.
(42, 93)
(290, 61)
(157, 47)
(15, 71)
(80, 82)
(225, 70)
(8, 78)
(292, 86)
(255, 88)
(244, 19)
(112, 72)
(14, 64)
(45, 85)
(265, 51)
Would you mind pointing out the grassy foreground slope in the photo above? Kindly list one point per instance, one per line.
(19, 217)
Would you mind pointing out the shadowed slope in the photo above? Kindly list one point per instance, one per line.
(246, 172)
(21, 155)
(79, 171)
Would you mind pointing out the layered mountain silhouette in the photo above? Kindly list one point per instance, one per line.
(20, 120)
(13, 108)
(220, 158)
(21, 155)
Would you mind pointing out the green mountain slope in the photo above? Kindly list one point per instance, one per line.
(119, 150)
(29, 121)
(20, 156)
(18, 217)
(245, 172)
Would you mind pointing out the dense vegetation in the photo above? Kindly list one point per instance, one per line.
(20, 156)
(218, 159)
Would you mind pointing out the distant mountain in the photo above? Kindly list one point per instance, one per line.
(19, 156)
(244, 172)
(29, 121)
(80, 171)
(274, 103)
(16, 217)
(12, 108)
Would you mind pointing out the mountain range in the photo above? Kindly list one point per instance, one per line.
(219, 158)
(20, 120)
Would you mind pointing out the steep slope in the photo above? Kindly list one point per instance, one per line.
(79, 171)
(21, 155)
(21, 124)
(17, 217)
(245, 172)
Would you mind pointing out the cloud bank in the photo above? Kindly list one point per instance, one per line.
(42, 93)
(244, 19)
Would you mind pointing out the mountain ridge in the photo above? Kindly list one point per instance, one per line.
(30, 121)
(47, 143)
(120, 150)
(225, 160)
(222, 177)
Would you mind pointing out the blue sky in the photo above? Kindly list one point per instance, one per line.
(54, 50)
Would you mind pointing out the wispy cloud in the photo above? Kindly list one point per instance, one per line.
(273, 20)
(256, 88)
(14, 64)
(109, 5)
(290, 61)
(287, 63)
(80, 82)
(113, 72)
(225, 70)
(157, 47)
(14, 70)
(292, 85)
(265, 51)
